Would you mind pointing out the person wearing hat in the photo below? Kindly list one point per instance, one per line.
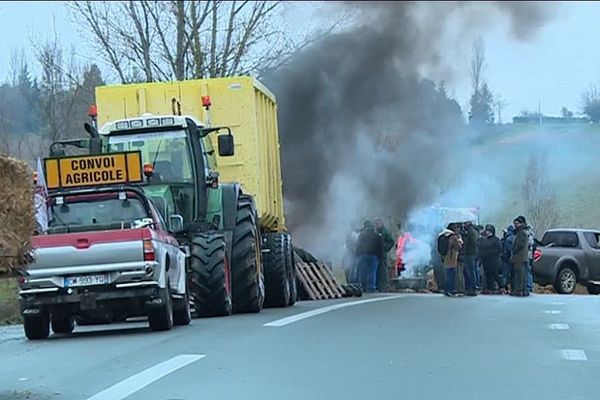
(520, 257)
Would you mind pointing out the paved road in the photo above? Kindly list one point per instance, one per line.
(412, 346)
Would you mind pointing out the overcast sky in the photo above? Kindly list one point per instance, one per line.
(554, 67)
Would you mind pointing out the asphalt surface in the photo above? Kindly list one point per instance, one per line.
(413, 346)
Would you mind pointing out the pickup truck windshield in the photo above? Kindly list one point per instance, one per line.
(167, 151)
(97, 214)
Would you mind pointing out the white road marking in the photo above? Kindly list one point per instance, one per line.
(573, 355)
(312, 313)
(552, 312)
(559, 327)
(139, 381)
(557, 303)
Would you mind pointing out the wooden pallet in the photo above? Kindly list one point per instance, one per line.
(318, 281)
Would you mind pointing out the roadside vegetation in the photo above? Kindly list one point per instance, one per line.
(9, 306)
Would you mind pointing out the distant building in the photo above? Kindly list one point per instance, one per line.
(546, 119)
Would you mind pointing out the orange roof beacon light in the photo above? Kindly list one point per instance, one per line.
(148, 170)
(92, 111)
(206, 103)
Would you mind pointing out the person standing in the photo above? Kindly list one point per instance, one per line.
(388, 244)
(531, 243)
(490, 249)
(507, 243)
(449, 245)
(520, 257)
(369, 247)
(349, 259)
(470, 242)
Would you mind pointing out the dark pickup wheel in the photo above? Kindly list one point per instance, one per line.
(209, 276)
(182, 314)
(593, 289)
(37, 326)
(161, 318)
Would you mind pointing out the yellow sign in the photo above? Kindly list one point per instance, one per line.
(83, 171)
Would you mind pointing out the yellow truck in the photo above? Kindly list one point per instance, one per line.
(234, 193)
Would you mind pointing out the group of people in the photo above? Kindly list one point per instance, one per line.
(366, 256)
(506, 261)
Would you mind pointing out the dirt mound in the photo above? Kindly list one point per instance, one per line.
(17, 214)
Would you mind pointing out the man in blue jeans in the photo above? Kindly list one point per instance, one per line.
(470, 237)
(369, 246)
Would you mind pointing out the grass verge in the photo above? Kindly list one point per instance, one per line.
(9, 306)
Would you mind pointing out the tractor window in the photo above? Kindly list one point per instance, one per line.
(167, 151)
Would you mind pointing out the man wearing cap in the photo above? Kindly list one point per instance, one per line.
(520, 257)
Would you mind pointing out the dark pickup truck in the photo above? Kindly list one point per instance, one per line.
(568, 257)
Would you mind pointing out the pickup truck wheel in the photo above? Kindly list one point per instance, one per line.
(182, 314)
(161, 318)
(63, 324)
(593, 289)
(36, 327)
(277, 276)
(247, 281)
(208, 276)
(291, 260)
(566, 281)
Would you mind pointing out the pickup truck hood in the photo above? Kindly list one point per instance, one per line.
(87, 251)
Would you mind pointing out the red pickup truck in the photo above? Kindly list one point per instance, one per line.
(107, 254)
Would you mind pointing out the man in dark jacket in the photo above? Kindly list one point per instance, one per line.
(383, 269)
(520, 257)
(369, 247)
(471, 237)
(490, 249)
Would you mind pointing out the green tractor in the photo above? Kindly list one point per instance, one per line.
(216, 222)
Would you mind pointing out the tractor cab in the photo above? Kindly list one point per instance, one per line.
(177, 159)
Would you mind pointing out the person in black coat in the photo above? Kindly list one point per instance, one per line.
(490, 249)
(369, 247)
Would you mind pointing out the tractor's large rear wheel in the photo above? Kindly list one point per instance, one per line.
(277, 267)
(209, 276)
(248, 290)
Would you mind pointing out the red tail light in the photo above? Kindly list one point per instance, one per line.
(149, 251)
(537, 254)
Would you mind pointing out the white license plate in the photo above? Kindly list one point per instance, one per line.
(86, 280)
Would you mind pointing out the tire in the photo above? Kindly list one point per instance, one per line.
(291, 271)
(277, 282)
(566, 281)
(247, 280)
(37, 327)
(63, 324)
(208, 278)
(593, 289)
(182, 314)
(161, 318)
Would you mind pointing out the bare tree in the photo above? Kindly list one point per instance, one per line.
(478, 64)
(499, 104)
(591, 102)
(163, 40)
(538, 195)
